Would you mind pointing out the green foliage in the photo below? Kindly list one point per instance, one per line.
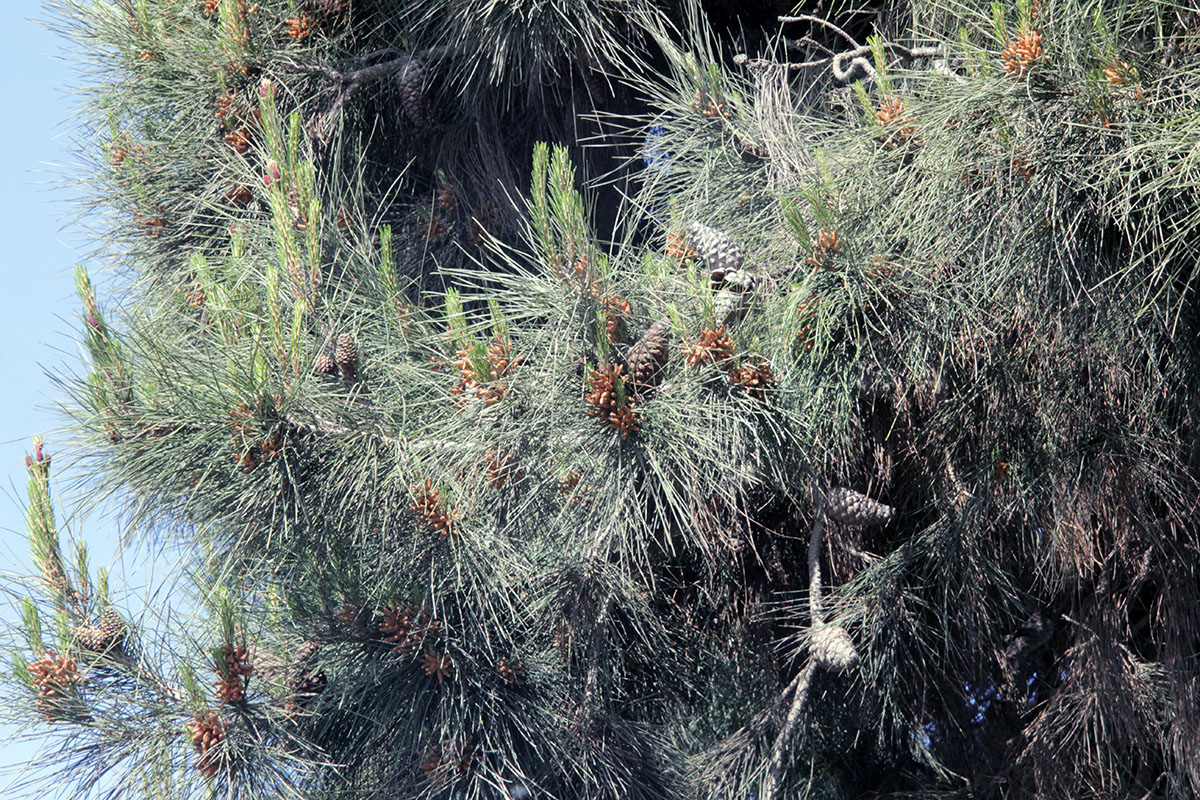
(483, 529)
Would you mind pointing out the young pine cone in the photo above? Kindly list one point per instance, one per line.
(207, 732)
(854, 508)
(1021, 53)
(54, 676)
(231, 681)
(606, 384)
(754, 377)
(713, 347)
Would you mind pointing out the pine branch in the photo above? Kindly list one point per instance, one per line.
(348, 83)
(846, 66)
(798, 688)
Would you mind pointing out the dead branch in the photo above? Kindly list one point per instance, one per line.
(846, 66)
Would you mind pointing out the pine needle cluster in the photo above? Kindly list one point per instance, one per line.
(494, 400)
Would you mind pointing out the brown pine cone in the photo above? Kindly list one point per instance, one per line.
(647, 358)
(325, 365)
(413, 99)
(108, 634)
(345, 353)
(305, 653)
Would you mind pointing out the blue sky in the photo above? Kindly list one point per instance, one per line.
(37, 301)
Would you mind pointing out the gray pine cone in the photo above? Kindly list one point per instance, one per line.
(740, 280)
(730, 307)
(720, 253)
(833, 648)
(647, 358)
(855, 508)
(735, 297)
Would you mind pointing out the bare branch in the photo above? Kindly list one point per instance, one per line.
(825, 24)
(775, 770)
(803, 680)
(848, 65)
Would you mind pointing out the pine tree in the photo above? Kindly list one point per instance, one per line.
(487, 493)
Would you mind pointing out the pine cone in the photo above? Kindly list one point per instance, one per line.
(679, 246)
(305, 653)
(306, 683)
(402, 627)
(605, 383)
(345, 353)
(501, 466)
(750, 151)
(89, 639)
(306, 687)
(825, 249)
(433, 510)
(231, 681)
(437, 664)
(729, 308)
(238, 139)
(325, 365)
(833, 648)
(734, 297)
(647, 358)
(720, 253)
(413, 98)
(1022, 52)
(511, 671)
(853, 508)
(108, 634)
(301, 27)
(754, 377)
